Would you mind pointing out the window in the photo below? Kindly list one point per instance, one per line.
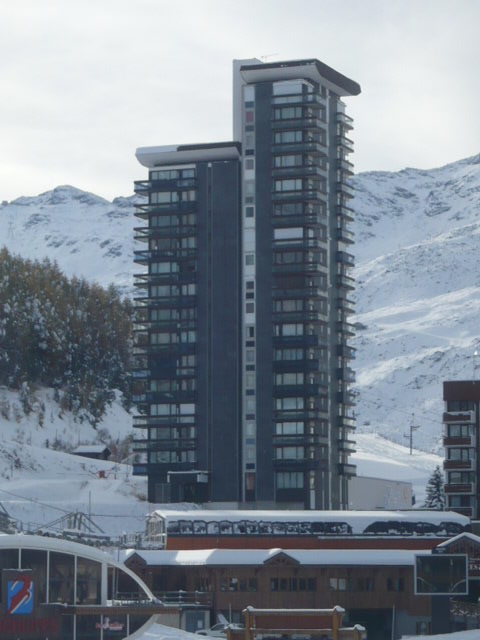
(250, 307)
(287, 113)
(289, 404)
(289, 428)
(288, 305)
(289, 480)
(460, 501)
(338, 584)
(288, 354)
(461, 477)
(290, 453)
(460, 405)
(395, 584)
(249, 259)
(172, 174)
(189, 289)
(289, 378)
(461, 453)
(366, 584)
(288, 233)
(288, 185)
(287, 137)
(289, 329)
(188, 336)
(459, 430)
(164, 267)
(163, 338)
(291, 160)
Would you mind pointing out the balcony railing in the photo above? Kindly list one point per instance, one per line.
(308, 146)
(345, 142)
(459, 464)
(344, 120)
(345, 235)
(459, 416)
(299, 171)
(345, 469)
(460, 488)
(450, 441)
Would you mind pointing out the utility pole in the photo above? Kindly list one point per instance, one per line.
(413, 427)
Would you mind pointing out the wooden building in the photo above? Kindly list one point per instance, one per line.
(376, 587)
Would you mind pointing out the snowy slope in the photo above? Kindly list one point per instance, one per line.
(418, 302)
(418, 234)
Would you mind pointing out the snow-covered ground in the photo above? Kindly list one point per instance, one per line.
(40, 485)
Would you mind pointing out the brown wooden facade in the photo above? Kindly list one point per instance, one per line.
(367, 592)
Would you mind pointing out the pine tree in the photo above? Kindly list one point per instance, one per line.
(435, 491)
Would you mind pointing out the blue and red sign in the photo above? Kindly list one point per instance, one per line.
(20, 594)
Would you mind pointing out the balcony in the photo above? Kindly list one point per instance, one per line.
(460, 488)
(459, 464)
(465, 441)
(346, 143)
(345, 235)
(308, 99)
(345, 351)
(142, 187)
(346, 421)
(347, 282)
(316, 147)
(299, 171)
(312, 122)
(303, 267)
(345, 397)
(345, 469)
(346, 188)
(345, 305)
(304, 194)
(345, 327)
(346, 374)
(345, 258)
(459, 416)
(345, 165)
(344, 212)
(344, 120)
(347, 446)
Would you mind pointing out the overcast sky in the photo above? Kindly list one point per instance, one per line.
(85, 82)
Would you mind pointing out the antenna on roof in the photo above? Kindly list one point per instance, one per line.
(268, 55)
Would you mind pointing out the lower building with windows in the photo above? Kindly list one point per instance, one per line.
(369, 584)
(461, 440)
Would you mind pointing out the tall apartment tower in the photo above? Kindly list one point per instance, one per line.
(461, 438)
(242, 354)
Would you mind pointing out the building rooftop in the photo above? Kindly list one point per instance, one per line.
(311, 69)
(184, 153)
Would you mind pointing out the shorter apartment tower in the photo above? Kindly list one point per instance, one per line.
(461, 441)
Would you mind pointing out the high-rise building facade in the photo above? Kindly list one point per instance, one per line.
(461, 439)
(242, 353)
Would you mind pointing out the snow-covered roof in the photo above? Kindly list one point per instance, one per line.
(467, 534)
(256, 557)
(158, 631)
(91, 448)
(358, 520)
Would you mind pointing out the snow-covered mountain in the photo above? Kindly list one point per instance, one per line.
(418, 294)
(87, 235)
(418, 287)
